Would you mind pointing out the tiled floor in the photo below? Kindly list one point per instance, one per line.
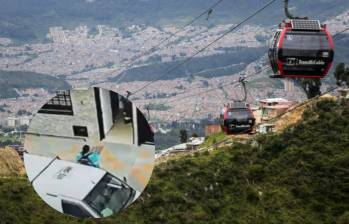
(120, 133)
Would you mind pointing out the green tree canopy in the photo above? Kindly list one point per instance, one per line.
(311, 86)
(342, 74)
(183, 136)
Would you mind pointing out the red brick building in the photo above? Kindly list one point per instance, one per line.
(212, 129)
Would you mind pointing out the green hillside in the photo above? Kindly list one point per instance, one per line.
(299, 176)
(11, 80)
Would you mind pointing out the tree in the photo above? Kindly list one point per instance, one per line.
(183, 136)
(194, 135)
(342, 74)
(22, 112)
(310, 86)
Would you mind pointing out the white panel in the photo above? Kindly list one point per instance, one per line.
(65, 178)
(35, 164)
(107, 113)
(135, 124)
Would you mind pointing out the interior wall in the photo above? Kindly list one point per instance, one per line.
(135, 125)
(106, 107)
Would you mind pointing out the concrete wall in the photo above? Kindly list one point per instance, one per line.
(85, 114)
(121, 158)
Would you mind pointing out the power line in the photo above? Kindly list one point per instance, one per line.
(339, 33)
(231, 83)
(235, 82)
(301, 104)
(173, 68)
(209, 90)
(206, 12)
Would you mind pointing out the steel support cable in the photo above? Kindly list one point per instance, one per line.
(212, 7)
(188, 24)
(206, 91)
(174, 100)
(339, 33)
(212, 89)
(288, 14)
(173, 68)
(296, 107)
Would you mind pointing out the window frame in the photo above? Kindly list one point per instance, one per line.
(303, 39)
(87, 199)
(78, 205)
(61, 104)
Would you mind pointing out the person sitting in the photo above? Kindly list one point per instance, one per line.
(89, 158)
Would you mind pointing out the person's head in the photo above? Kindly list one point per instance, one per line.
(85, 149)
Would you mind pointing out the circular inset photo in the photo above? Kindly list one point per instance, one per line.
(90, 152)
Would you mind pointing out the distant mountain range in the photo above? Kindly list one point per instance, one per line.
(228, 63)
(10, 81)
(29, 20)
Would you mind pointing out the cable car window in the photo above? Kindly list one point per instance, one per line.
(238, 114)
(109, 196)
(306, 41)
(74, 209)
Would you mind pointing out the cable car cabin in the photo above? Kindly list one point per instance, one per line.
(301, 49)
(237, 118)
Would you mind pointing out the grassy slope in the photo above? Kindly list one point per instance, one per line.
(299, 176)
(215, 138)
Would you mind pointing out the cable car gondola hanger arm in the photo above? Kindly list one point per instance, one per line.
(243, 83)
(288, 14)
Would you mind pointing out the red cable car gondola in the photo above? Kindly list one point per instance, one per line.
(237, 117)
(301, 48)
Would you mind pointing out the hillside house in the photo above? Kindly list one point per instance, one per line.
(265, 128)
(211, 129)
(271, 108)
